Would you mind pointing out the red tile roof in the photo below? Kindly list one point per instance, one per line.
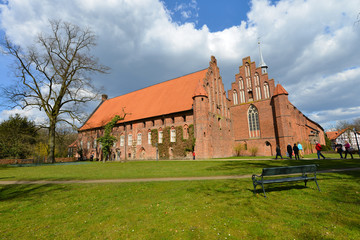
(335, 134)
(164, 98)
(280, 90)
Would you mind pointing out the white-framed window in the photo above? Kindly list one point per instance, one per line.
(81, 144)
(95, 143)
(88, 145)
(266, 90)
(242, 96)
(122, 140)
(253, 120)
(257, 86)
(235, 97)
(247, 70)
(149, 137)
(139, 139)
(173, 135)
(130, 140)
(241, 83)
(160, 136)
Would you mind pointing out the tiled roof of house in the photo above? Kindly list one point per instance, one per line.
(335, 134)
(164, 98)
(280, 90)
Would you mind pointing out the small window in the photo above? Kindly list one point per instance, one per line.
(130, 140)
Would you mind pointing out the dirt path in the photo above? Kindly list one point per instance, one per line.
(151, 179)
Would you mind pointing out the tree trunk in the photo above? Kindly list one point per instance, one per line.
(51, 144)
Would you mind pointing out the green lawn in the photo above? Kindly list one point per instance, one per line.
(150, 169)
(214, 209)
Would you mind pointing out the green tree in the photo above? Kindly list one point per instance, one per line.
(54, 75)
(107, 141)
(17, 137)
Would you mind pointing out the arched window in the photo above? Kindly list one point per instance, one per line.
(235, 97)
(253, 118)
(139, 139)
(266, 90)
(186, 132)
(247, 70)
(149, 137)
(160, 135)
(242, 96)
(257, 86)
(173, 135)
(241, 83)
(122, 140)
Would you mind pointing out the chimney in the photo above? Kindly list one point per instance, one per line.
(104, 97)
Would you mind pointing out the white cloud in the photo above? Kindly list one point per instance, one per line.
(311, 47)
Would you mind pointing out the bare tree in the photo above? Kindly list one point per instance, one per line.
(54, 75)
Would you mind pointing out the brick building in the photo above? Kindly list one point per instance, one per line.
(192, 113)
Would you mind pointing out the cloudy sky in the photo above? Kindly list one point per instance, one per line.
(312, 47)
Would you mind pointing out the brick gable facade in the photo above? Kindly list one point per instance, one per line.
(192, 113)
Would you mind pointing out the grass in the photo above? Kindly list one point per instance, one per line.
(215, 209)
(152, 169)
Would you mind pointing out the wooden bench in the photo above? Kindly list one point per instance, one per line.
(276, 171)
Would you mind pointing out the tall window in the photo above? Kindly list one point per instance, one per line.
(257, 86)
(172, 135)
(160, 136)
(254, 126)
(266, 90)
(122, 140)
(235, 97)
(247, 70)
(138, 139)
(241, 83)
(186, 132)
(242, 96)
(130, 140)
(149, 137)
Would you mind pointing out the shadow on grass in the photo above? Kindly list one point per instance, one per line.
(18, 191)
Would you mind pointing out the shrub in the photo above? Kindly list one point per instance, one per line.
(239, 148)
(253, 151)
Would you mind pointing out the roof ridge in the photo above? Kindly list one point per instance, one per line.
(160, 83)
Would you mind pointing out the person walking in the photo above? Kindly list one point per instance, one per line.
(347, 149)
(339, 149)
(289, 150)
(278, 152)
(296, 152)
(318, 149)
(300, 147)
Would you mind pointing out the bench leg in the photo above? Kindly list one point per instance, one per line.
(263, 189)
(254, 188)
(317, 184)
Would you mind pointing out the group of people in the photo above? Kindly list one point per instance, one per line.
(296, 150)
(339, 149)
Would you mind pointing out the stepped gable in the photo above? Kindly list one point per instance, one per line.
(279, 90)
(164, 98)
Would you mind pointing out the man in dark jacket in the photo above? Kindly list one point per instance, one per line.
(289, 150)
(296, 152)
(339, 149)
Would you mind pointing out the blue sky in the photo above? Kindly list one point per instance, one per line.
(217, 15)
(310, 46)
